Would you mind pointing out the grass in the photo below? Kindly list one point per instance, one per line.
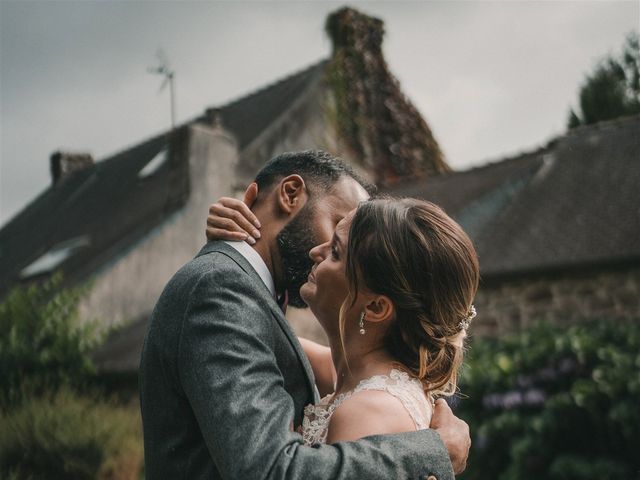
(69, 437)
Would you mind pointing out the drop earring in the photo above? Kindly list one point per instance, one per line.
(361, 324)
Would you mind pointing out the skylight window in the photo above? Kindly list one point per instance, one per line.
(154, 164)
(53, 258)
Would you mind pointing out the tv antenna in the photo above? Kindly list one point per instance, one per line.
(164, 69)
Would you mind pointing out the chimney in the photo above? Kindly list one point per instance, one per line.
(64, 164)
(348, 28)
(214, 117)
(375, 121)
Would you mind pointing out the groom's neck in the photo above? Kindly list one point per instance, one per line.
(267, 246)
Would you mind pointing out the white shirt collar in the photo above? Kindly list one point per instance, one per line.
(255, 260)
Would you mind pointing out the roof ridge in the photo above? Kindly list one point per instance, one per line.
(134, 144)
(275, 83)
(510, 158)
(580, 130)
(478, 168)
(199, 116)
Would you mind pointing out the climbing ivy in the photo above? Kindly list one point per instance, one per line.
(372, 116)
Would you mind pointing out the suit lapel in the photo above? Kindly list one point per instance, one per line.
(295, 343)
(276, 312)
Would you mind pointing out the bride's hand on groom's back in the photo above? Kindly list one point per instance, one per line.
(232, 219)
(454, 433)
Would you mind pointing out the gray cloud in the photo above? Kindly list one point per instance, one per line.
(490, 77)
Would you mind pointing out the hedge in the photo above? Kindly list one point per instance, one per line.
(554, 402)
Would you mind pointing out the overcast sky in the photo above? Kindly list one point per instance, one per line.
(491, 78)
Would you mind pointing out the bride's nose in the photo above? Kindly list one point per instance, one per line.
(317, 253)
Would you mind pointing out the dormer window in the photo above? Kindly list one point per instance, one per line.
(154, 164)
(54, 257)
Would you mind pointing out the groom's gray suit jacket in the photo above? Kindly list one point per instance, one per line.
(223, 378)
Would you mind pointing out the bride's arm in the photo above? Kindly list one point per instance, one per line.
(369, 413)
(322, 365)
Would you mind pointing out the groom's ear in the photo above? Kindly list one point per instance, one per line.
(292, 194)
(250, 195)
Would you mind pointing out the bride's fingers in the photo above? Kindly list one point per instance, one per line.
(214, 233)
(223, 223)
(241, 207)
(220, 228)
(235, 220)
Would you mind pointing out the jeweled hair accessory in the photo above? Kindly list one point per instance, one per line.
(466, 321)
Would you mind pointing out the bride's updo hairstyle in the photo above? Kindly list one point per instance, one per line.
(415, 254)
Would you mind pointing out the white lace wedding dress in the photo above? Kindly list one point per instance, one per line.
(408, 390)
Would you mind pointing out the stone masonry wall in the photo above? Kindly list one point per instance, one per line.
(510, 305)
(305, 126)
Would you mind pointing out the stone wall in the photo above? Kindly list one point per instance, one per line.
(128, 287)
(509, 305)
(306, 125)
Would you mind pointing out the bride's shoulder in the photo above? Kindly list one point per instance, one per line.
(368, 412)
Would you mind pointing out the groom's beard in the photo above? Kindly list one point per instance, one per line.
(295, 241)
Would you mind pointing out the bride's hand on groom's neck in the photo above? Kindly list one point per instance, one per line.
(454, 433)
(232, 219)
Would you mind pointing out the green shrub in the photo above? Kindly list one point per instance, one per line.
(556, 403)
(69, 437)
(42, 347)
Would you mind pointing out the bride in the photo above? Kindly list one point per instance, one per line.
(393, 291)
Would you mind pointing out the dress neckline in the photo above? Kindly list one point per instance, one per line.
(400, 376)
(398, 383)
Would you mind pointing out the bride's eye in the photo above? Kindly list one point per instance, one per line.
(334, 252)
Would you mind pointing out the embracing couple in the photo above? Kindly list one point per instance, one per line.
(228, 391)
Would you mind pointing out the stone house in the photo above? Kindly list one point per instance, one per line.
(126, 223)
(556, 229)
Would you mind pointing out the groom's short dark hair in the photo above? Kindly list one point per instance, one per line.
(320, 171)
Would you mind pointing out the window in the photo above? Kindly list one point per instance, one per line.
(54, 257)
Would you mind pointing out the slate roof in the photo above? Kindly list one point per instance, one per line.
(106, 202)
(572, 204)
(109, 207)
(251, 115)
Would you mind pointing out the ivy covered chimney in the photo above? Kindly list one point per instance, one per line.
(374, 120)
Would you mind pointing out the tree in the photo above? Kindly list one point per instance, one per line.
(54, 422)
(613, 88)
(43, 346)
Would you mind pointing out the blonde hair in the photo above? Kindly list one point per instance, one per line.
(412, 252)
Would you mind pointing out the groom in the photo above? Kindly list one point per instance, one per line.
(223, 378)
